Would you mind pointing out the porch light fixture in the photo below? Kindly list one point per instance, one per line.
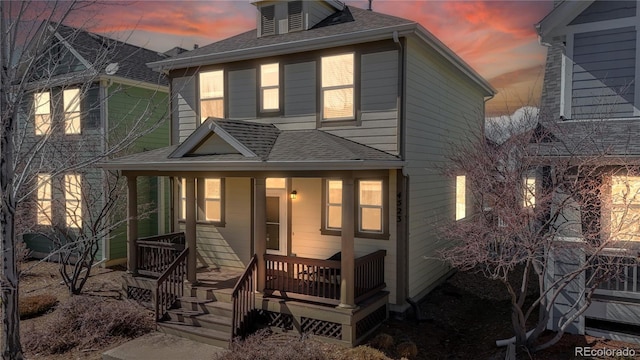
(294, 194)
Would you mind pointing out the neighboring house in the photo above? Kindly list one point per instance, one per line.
(89, 92)
(591, 109)
(313, 142)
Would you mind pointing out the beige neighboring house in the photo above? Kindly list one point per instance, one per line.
(304, 161)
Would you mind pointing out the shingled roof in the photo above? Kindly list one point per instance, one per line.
(98, 49)
(275, 150)
(594, 138)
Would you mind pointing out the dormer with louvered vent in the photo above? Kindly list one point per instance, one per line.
(284, 16)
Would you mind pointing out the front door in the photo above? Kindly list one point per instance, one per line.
(277, 221)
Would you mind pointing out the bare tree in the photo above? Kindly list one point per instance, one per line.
(540, 206)
(34, 59)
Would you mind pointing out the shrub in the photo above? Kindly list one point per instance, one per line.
(382, 341)
(36, 305)
(87, 322)
(407, 349)
(364, 353)
(264, 345)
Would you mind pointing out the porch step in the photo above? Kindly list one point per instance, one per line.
(204, 292)
(208, 321)
(199, 334)
(206, 306)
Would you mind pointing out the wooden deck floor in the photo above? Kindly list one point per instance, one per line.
(218, 279)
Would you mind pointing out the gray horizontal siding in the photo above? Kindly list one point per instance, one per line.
(377, 129)
(242, 94)
(184, 108)
(604, 73)
(300, 89)
(606, 10)
(443, 107)
(379, 88)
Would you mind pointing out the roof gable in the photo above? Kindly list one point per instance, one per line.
(223, 137)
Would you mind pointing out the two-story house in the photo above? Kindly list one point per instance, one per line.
(91, 96)
(306, 151)
(591, 109)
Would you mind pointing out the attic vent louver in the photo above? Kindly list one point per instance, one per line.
(268, 20)
(295, 15)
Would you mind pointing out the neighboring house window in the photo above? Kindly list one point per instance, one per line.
(529, 196)
(370, 206)
(212, 94)
(461, 197)
(71, 98)
(44, 199)
(625, 209)
(268, 20)
(270, 87)
(42, 104)
(337, 91)
(73, 200)
(334, 204)
(294, 15)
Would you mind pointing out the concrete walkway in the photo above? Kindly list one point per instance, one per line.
(158, 346)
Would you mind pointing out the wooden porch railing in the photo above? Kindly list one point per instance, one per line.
(318, 280)
(156, 253)
(625, 279)
(303, 278)
(170, 285)
(369, 277)
(244, 300)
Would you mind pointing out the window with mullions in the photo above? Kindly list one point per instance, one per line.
(337, 87)
(209, 200)
(270, 87)
(211, 94)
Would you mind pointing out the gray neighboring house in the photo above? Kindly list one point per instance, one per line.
(310, 144)
(591, 108)
(96, 88)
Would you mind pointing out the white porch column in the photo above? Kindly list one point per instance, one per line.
(260, 228)
(132, 224)
(347, 272)
(190, 228)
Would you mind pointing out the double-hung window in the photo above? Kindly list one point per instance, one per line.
(270, 87)
(73, 200)
(625, 207)
(370, 204)
(71, 99)
(337, 87)
(209, 199)
(211, 94)
(42, 111)
(44, 199)
(529, 196)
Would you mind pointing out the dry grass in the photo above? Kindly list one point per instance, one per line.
(364, 353)
(87, 322)
(36, 305)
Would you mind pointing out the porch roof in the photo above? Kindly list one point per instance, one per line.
(257, 147)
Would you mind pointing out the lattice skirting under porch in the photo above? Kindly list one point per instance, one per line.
(139, 294)
(274, 319)
(370, 321)
(321, 328)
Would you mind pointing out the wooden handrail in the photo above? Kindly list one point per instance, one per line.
(170, 236)
(368, 257)
(244, 300)
(170, 284)
(160, 245)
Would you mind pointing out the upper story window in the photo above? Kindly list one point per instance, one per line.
(270, 87)
(337, 87)
(42, 111)
(212, 94)
(73, 200)
(461, 197)
(71, 99)
(44, 199)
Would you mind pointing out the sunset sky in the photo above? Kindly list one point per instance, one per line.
(497, 38)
